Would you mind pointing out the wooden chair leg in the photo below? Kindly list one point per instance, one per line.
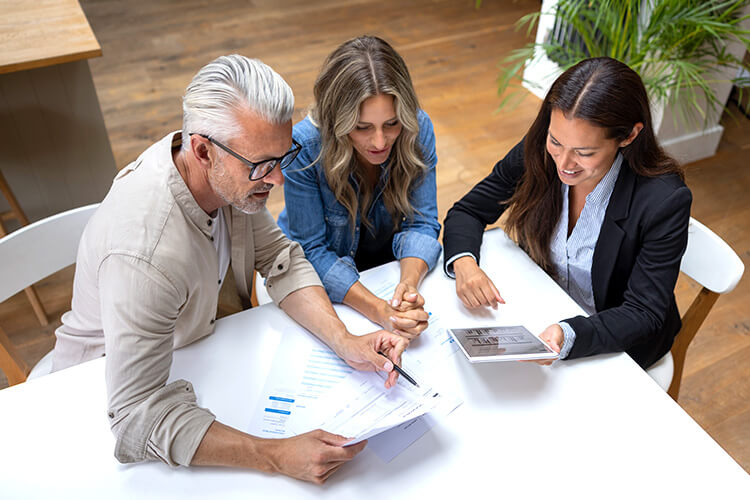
(36, 304)
(691, 322)
(11, 363)
(18, 214)
(15, 207)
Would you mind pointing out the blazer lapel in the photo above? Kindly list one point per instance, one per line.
(611, 235)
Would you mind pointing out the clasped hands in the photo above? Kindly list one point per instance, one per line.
(404, 314)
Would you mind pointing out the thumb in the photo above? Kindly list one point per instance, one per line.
(397, 295)
(380, 361)
(332, 439)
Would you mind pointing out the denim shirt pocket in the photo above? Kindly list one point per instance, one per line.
(338, 231)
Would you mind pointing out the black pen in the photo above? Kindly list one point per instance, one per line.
(401, 372)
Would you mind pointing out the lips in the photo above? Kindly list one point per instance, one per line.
(378, 152)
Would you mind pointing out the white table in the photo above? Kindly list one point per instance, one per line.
(593, 428)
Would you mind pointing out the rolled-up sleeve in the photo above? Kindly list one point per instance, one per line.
(419, 234)
(280, 260)
(150, 419)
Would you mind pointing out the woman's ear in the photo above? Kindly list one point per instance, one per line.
(633, 134)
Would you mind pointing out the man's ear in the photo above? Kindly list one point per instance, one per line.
(199, 148)
(633, 134)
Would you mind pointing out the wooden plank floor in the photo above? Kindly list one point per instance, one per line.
(152, 49)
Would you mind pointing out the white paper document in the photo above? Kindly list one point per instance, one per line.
(308, 387)
(303, 370)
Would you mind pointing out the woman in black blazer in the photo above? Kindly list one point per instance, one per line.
(594, 200)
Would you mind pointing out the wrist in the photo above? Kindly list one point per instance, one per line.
(267, 452)
(338, 340)
(464, 265)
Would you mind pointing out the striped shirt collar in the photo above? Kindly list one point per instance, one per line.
(601, 193)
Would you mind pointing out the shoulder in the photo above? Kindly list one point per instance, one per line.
(426, 131)
(306, 133)
(659, 189)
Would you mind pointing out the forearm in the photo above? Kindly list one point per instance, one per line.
(364, 301)
(413, 270)
(311, 308)
(227, 447)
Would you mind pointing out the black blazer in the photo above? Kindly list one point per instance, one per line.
(635, 264)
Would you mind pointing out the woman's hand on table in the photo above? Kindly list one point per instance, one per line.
(473, 286)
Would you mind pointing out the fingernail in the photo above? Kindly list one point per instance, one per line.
(394, 303)
(393, 319)
(388, 366)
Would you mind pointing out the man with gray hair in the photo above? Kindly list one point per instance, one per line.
(152, 260)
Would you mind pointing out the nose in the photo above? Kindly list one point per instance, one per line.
(378, 140)
(566, 161)
(275, 177)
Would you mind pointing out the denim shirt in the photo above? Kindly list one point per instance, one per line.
(315, 219)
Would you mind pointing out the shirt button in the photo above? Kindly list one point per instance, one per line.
(211, 238)
(210, 222)
(280, 267)
(213, 321)
(220, 282)
(111, 415)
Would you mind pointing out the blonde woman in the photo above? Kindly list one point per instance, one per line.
(362, 190)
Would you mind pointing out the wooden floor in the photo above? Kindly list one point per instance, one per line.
(152, 49)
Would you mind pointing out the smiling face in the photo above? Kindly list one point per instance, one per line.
(258, 140)
(376, 130)
(582, 152)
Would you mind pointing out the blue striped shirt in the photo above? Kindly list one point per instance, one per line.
(572, 255)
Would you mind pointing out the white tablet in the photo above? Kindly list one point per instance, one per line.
(501, 343)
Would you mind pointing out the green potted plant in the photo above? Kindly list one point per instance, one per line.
(687, 51)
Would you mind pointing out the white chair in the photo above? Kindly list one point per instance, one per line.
(715, 266)
(29, 255)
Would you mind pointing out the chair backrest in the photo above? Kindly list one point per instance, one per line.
(40, 249)
(710, 261)
(713, 264)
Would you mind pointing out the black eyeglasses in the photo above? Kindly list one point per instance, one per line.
(260, 169)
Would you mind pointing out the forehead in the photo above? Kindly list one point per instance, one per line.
(259, 138)
(575, 132)
(377, 108)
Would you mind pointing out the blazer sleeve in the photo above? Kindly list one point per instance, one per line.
(650, 288)
(483, 205)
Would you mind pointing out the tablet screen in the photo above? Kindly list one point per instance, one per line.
(501, 342)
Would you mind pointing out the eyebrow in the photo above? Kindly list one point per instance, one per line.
(370, 123)
(582, 147)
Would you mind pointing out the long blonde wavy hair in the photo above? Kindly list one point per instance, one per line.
(359, 69)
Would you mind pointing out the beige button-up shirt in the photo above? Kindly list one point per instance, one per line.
(146, 284)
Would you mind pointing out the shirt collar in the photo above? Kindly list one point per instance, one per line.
(179, 189)
(603, 190)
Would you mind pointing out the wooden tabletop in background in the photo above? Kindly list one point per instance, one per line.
(38, 33)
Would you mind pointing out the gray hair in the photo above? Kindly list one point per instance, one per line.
(229, 84)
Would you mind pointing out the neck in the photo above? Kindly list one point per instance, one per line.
(196, 180)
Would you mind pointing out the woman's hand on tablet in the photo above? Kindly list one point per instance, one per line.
(553, 335)
(473, 286)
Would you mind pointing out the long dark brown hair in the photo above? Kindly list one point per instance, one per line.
(608, 94)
